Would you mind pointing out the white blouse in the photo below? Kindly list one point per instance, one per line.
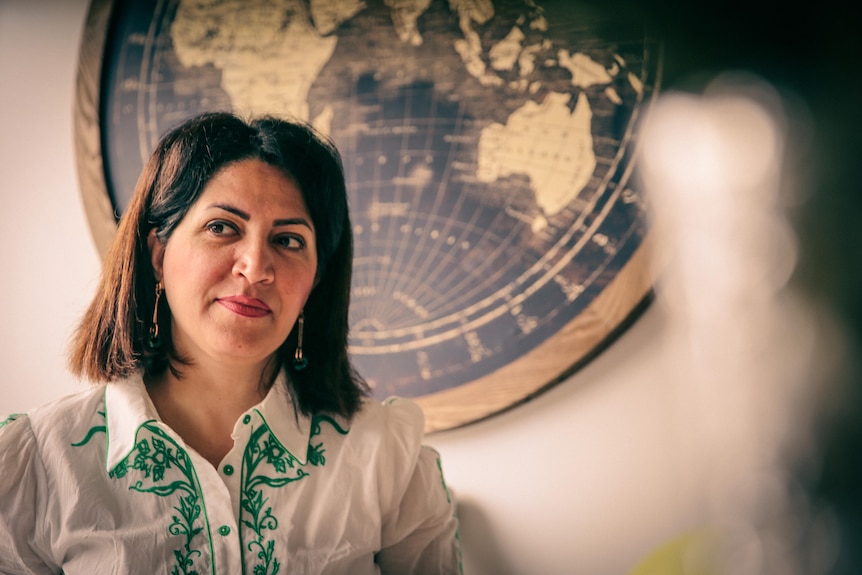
(96, 483)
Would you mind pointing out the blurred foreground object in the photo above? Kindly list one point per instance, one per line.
(808, 53)
(742, 344)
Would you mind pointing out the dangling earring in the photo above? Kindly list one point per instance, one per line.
(154, 340)
(299, 361)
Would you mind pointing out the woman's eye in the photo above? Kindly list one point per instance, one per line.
(290, 242)
(220, 228)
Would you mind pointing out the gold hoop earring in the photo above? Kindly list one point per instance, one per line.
(299, 361)
(154, 341)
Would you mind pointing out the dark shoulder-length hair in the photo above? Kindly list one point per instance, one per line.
(111, 341)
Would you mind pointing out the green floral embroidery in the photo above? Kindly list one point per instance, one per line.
(283, 468)
(93, 431)
(10, 419)
(153, 457)
(315, 452)
(266, 463)
(190, 511)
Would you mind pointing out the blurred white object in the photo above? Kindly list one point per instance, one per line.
(740, 344)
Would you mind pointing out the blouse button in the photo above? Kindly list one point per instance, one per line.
(246, 419)
(228, 469)
(224, 530)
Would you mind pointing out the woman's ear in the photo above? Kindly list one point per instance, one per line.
(157, 253)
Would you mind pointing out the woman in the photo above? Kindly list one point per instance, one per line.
(231, 434)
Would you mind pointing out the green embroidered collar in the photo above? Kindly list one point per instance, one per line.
(128, 407)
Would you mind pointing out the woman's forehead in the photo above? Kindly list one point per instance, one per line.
(255, 186)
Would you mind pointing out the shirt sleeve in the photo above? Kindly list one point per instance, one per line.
(420, 535)
(22, 478)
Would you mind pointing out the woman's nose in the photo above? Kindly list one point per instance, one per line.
(254, 261)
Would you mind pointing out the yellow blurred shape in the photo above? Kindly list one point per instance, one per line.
(692, 553)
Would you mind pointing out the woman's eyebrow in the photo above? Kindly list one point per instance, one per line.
(293, 222)
(280, 222)
(235, 211)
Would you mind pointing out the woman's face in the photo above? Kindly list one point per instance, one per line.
(239, 267)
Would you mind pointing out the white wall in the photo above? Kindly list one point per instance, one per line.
(586, 478)
(48, 260)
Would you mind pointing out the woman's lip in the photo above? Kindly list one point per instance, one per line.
(245, 306)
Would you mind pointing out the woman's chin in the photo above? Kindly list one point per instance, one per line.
(234, 354)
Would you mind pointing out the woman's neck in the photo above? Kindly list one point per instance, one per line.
(203, 404)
